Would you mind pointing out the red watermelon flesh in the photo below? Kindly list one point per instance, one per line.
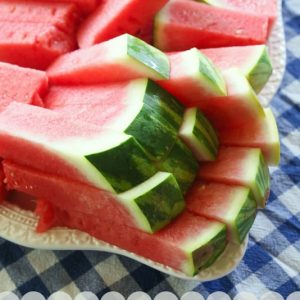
(33, 45)
(85, 6)
(21, 85)
(115, 17)
(172, 246)
(64, 193)
(184, 24)
(95, 104)
(61, 15)
(262, 7)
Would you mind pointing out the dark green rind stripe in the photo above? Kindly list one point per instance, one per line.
(202, 137)
(169, 107)
(208, 70)
(162, 204)
(158, 122)
(206, 255)
(262, 179)
(182, 164)
(124, 166)
(261, 73)
(246, 217)
(149, 56)
(209, 128)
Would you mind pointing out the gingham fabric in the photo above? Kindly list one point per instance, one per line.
(272, 261)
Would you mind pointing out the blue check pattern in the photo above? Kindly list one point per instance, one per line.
(272, 261)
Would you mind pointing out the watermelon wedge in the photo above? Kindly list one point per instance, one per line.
(197, 132)
(193, 76)
(239, 166)
(184, 24)
(253, 61)
(190, 243)
(139, 108)
(234, 206)
(266, 8)
(74, 150)
(147, 207)
(116, 17)
(63, 16)
(21, 85)
(33, 45)
(241, 106)
(262, 134)
(119, 59)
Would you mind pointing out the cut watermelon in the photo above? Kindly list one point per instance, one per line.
(33, 45)
(184, 24)
(78, 151)
(241, 106)
(190, 243)
(21, 85)
(122, 58)
(60, 15)
(239, 166)
(197, 132)
(149, 206)
(193, 76)
(139, 108)
(253, 61)
(262, 134)
(116, 17)
(234, 206)
(266, 8)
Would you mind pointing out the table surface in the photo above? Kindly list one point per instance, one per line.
(272, 260)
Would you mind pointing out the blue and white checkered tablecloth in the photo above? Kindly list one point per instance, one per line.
(272, 261)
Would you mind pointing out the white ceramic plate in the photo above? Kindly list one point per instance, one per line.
(17, 225)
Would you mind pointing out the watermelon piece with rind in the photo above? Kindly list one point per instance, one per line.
(199, 135)
(232, 205)
(239, 166)
(193, 75)
(254, 62)
(262, 134)
(75, 150)
(188, 244)
(21, 85)
(266, 8)
(184, 24)
(119, 59)
(116, 17)
(139, 108)
(148, 207)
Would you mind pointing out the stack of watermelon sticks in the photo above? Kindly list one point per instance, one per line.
(163, 154)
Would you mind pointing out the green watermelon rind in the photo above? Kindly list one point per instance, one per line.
(154, 203)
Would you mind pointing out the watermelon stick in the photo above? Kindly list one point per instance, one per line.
(253, 61)
(197, 132)
(240, 166)
(122, 58)
(189, 244)
(232, 205)
(193, 77)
